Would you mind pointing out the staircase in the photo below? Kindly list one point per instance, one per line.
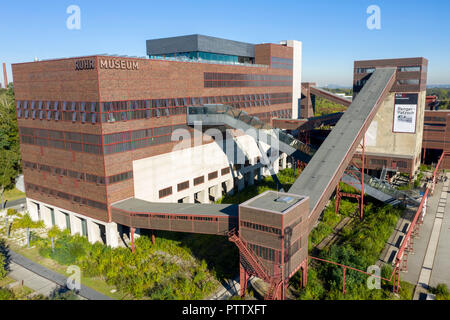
(220, 115)
(252, 265)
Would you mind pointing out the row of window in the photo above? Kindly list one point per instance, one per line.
(216, 76)
(88, 143)
(438, 119)
(362, 82)
(66, 196)
(61, 135)
(197, 181)
(87, 112)
(265, 253)
(281, 60)
(401, 69)
(281, 63)
(81, 176)
(60, 144)
(246, 84)
(260, 227)
(176, 217)
(382, 162)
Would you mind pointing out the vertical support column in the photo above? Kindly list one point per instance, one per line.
(112, 237)
(132, 230)
(243, 280)
(361, 207)
(338, 198)
(343, 285)
(251, 179)
(153, 237)
(305, 273)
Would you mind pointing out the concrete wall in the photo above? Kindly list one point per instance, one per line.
(381, 139)
(153, 174)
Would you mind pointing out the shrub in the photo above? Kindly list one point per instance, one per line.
(441, 292)
(6, 294)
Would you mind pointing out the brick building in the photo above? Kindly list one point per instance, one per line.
(97, 130)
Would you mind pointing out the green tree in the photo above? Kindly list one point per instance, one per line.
(9, 142)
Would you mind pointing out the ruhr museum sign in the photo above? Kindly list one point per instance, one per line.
(89, 64)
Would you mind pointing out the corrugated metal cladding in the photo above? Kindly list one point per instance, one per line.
(197, 42)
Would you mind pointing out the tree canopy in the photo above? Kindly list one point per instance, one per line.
(9, 141)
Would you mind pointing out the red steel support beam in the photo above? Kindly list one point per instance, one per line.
(132, 230)
(361, 206)
(243, 279)
(343, 284)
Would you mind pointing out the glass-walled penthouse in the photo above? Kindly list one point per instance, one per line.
(206, 56)
(199, 48)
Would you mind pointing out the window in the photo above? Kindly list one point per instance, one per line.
(199, 180)
(408, 81)
(165, 192)
(225, 171)
(183, 186)
(212, 175)
(409, 69)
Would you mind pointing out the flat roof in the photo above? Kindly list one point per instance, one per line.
(278, 202)
(142, 206)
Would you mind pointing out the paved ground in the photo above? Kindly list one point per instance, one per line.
(30, 279)
(441, 265)
(429, 264)
(41, 273)
(15, 203)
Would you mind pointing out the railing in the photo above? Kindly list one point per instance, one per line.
(254, 262)
(386, 188)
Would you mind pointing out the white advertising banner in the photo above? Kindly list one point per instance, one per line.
(405, 113)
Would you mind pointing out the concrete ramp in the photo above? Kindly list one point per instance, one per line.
(321, 175)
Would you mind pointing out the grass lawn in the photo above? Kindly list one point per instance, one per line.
(13, 194)
(96, 284)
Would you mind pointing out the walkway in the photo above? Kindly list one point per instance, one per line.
(41, 272)
(429, 263)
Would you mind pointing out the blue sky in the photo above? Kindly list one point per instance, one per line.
(334, 33)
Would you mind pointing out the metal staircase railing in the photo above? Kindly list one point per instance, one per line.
(250, 261)
(255, 264)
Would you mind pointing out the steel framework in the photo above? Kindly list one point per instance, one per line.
(351, 172)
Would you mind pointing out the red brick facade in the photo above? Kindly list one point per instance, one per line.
(41, 84)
